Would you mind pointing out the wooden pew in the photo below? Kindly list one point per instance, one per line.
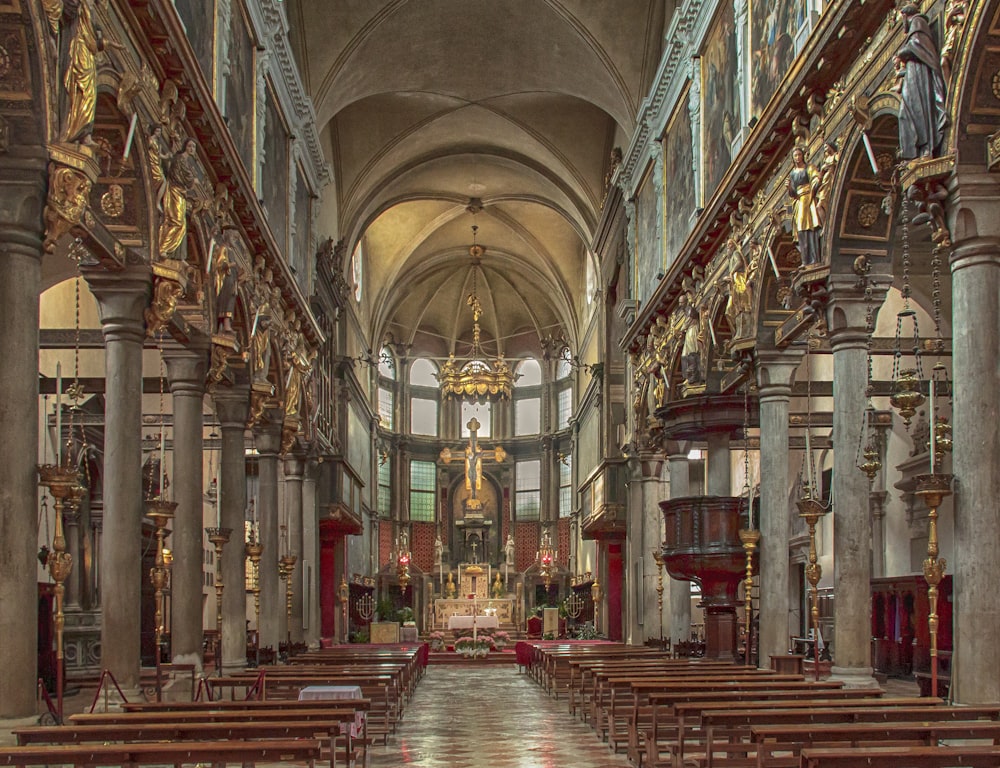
(158, 753)
(901, 757)
(789, 740)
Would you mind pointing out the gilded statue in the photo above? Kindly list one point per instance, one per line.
(803, 185)
(179, 178)
(299, 365)
(225, 276)
(827, 172)
(740, 285)
(71, 23)
(954, 20)
(260, 345)
(922, 90)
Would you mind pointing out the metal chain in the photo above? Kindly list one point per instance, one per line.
(810, 470)
(905, 290)
(746, 448)
(869, 388)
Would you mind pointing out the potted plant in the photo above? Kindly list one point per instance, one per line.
(437, 641)
(473, 648)
(406, 617)
(500, 639)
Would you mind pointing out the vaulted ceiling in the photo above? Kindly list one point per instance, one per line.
(425, 105)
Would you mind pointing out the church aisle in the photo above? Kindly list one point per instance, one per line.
(472, 716)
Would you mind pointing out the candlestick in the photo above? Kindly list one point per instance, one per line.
(809, 468)
(58, 414)
(489, 575)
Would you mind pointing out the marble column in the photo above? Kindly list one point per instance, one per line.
(231, 406)
(272, 598)
(121, 299)
(852, 536)
(22, 196)
(186, 378)
(775, 373)
(975, 269)
(679, 591)
(310, 555)
(71, 523)
(650, 492)
(718, 465)
(294, 466)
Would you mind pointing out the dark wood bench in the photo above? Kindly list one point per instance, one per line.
(901, 757)
(779, 745)
(159, 753)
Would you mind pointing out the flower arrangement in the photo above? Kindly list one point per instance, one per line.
(469, 647)
(437, 641)
(500, 639)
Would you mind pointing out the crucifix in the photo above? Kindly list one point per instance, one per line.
(474, 456)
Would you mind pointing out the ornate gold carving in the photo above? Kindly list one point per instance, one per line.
(867, 214)
(995, 84)
(223, 346)
(954, 22)
(993, 151)
(113, 201)
(5, 62)
(260, 394)
(163, 305)
(71, 175)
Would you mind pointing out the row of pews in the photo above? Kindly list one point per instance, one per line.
(689, 713)
(254, 717)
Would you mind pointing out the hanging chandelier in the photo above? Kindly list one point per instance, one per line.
(476, 377)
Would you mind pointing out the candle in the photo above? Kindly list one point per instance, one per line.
(218, 503)
(809, 469)
(459, 577)
(489, 575)
(59, 414)
(933, 429)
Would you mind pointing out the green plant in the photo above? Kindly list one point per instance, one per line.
(386, 610)
(549, 636)
(360, 636)
(406, 614)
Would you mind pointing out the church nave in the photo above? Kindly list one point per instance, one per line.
(490, 715)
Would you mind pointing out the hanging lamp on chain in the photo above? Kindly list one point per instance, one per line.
(869, 446)
(906, 396)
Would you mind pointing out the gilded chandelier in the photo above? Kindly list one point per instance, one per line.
(475, 377)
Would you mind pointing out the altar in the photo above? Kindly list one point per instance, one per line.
(502, 609)
(466, 622)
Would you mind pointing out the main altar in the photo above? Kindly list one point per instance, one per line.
(474, 587)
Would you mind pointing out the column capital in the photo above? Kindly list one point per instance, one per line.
(268, 439)
(22, 199)
(847, 309)
(294, 467)
(677, 450)
(776, 372)
(121, 299)
(231, 406)
(975, 251)
(186, 369)
(971, 205)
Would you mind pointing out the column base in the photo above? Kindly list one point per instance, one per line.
(8, 724)
(190, 658)
(854, 677)
(113, 703)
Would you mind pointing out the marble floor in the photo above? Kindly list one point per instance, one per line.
(467, 716)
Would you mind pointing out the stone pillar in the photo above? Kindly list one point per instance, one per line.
(121, 299)
(22, 196)
(775, 373)
(679, 591)
(71, 523)
(272, 598)
(294, 466)
(231, 406)
(186, 377)
(975, 269)
(646, 492)
(718, 465)
(851, 524)
(310, 555)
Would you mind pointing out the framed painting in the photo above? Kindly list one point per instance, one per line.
(678, 184)
(276, 170)
(774, 25)
(720, 108)
(199, 21)
(241, 82)
(648, 253)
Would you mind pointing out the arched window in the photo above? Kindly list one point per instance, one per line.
(423, 373)
(483, 413)
(527, 398)
(563, 368)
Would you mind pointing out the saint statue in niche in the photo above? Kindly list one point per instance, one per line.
(922, 90)
(803, 185)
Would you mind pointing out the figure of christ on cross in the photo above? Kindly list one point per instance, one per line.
(474, 456)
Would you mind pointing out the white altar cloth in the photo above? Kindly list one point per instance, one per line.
(465, 622)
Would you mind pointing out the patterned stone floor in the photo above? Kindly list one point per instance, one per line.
(463, 716)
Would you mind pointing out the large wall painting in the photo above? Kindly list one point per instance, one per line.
(678, 166)
(275, 171)
(648, 257)
(241, 108)
(721, 118)
(199, 23)
(773, 27)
